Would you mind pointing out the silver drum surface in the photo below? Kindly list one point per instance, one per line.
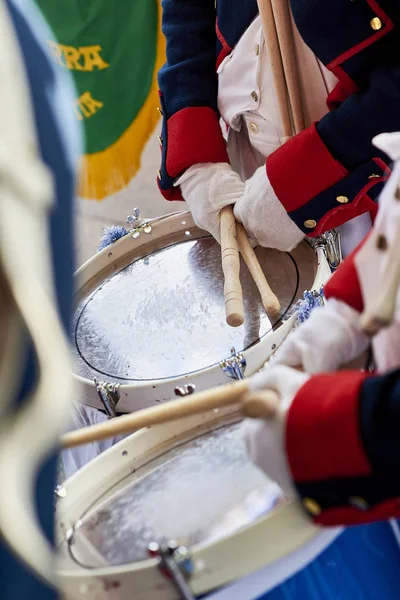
(203, 489)
(163, 314)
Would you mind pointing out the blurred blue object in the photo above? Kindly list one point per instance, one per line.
(58, 133)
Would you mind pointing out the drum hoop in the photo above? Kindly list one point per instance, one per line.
(219, 556)
(207, 377)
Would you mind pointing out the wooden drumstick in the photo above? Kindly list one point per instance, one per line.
(282, 16)
(272, 43)
(256, 405)
(231, 267)
(269, 300)
(381, 312)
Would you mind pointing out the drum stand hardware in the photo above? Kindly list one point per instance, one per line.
(185, 390)
(109, 396)
(330, 243)
(176, 563)
(137, 225)
(234, 366)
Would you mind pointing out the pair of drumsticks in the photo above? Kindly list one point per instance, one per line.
(278, 36)
(275, 15)
(233, 239)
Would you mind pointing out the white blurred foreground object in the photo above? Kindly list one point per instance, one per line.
(28, 435)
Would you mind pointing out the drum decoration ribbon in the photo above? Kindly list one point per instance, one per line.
(114, 51)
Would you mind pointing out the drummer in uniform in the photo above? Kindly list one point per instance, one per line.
(217, 85)
(334, 438)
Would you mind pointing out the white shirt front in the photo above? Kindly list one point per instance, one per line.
(248, 105)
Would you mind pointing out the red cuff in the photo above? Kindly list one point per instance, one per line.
(344, 284)
(323, 429)
(194, 136)
(305, 165)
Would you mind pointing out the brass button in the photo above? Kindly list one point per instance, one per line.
(257, 49)
(254, 96)
(254, 127)
(358, 502)
(381, 242)
(312, 507)
(159, 110)
(159, 174)
(310, 223)
(160, 140)
(376, 24)
(342, 199)
(374, 176)
(397, 193)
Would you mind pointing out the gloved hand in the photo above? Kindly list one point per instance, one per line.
(263, 216)
(208, 187)
(331, 337)
(265, 439)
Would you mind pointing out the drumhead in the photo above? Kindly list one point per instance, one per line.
(162, 315)
(202, 489)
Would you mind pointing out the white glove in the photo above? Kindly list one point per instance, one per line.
(265, 439)
(207, 188)
(329, 338)
(263, 216)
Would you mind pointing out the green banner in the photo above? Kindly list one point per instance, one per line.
(113, 49)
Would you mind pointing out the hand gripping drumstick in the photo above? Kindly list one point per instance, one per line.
(382, 311)
(269, 300)
(255, 404)
(231, 267)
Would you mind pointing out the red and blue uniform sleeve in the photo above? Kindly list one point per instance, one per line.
(333, 167)
(188, 85)
(342, 445)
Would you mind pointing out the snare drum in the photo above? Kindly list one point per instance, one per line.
(150, 314)
(192, 482)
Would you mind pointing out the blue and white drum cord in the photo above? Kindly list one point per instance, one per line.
(304, 307)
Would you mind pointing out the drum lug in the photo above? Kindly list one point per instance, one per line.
(331, 245)
(109, 396)
(234, 366)
(138, 225)
(185, 390)
(176, 563)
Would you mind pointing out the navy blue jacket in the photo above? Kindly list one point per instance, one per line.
(358, 40)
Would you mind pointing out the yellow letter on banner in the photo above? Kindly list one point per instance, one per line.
(87, 106)
(72, 56)
(92, 58)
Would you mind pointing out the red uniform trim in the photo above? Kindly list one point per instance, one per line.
(226, 49)
(362, 203)
(323, 431)
(344, 284)
(388, 26)
(304, 163)
(337, 96)
(194, 136)
(347, 515)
